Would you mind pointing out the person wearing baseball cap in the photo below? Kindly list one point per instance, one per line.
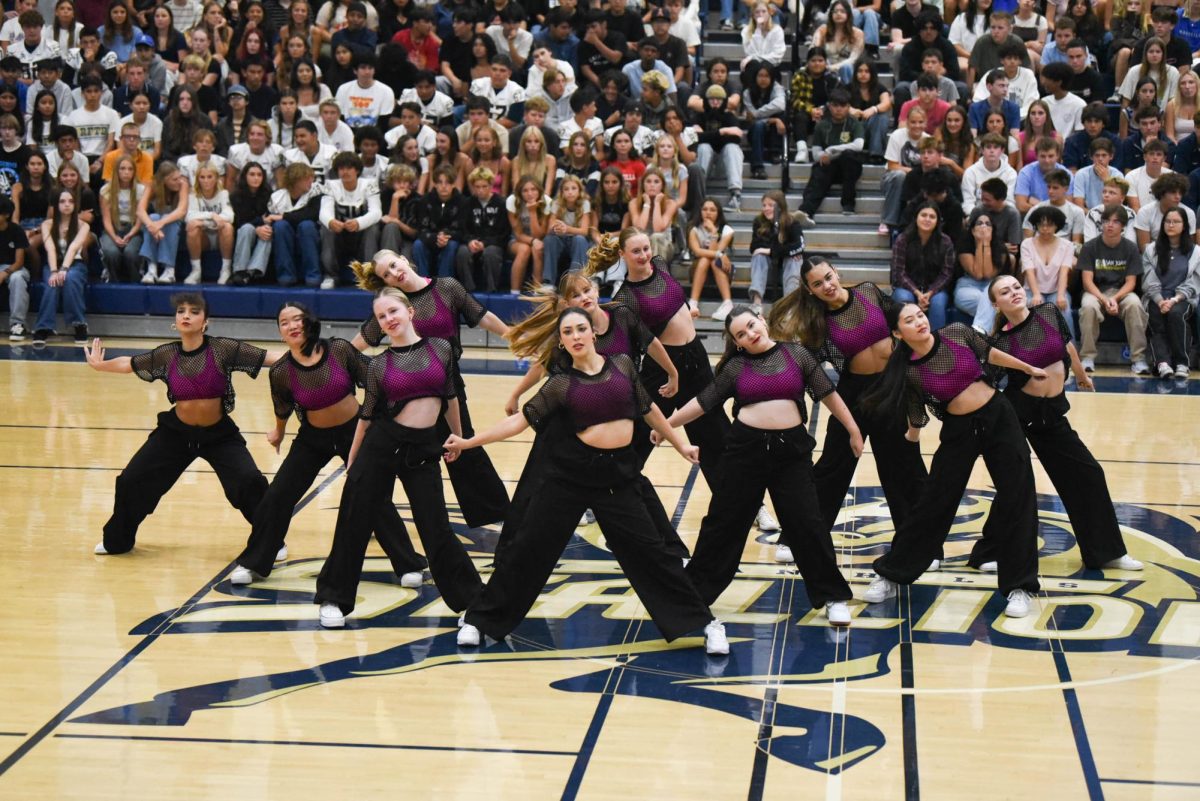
(673, 52)
(647, 60)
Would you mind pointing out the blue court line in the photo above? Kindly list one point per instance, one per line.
(79, 700)
(1154, 782)
(1087, 761)
(908, 706)
(322, 744)
(12, 733)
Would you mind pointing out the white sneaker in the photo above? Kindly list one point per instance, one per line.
(150, 276)
(193, 277)
(880, 590)
(837, 613)
(226, 274)
(241, 576)
(765, 521)
(412, 580)
(468, 636)
(588, 518)
(1125, 562)
(934, 566)
(1140, 368)
(686, 560)
(714, 638)
(282, 554)
(783, 554)
(801, 152)
(989, 567)
(167, 276)
(462, 620)
(328, 283)
(1019, 604)
(1089, 365)
(100, 550)
(332, 617)
(1164, 370)
(723, 311)
(1181, 371)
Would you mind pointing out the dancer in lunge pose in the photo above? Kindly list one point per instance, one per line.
(408, 388)
(316, 379)
(768, 448)
(600, 397)
(437, 305)
(197, 370)
(944, 371)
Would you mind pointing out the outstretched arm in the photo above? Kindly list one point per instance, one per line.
(507, 428)
(534, 374)
(654, 418)
(1002, 359)
(492, 323)
(96, 360)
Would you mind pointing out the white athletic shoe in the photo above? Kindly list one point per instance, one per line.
(1019, 604)
(588, 518)
(1181, 371)
(150, 276)
(193, 277)
(282, 554)
(934, 566)
(241, 576)
(412, 580)
(783, 554)
(100, 550)
(837, 613)
(723, 311)
(714, 639)
(332, 617)
(1165, 371)
(328, 283)
(226, 274)
(989, 567)
(1124, 562)
(167, 276)
(1089, 365)
(765, 521)
(880, 590)
(468, 636)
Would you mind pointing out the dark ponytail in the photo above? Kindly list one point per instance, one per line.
(312, 325)
(890, 396)
(799, 316)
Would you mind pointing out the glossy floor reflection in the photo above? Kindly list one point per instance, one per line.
(150, 676)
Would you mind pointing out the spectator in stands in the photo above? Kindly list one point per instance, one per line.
(996, 123)
(717, 128)
(13, 243)
(49, 71)
(486, 152)
(261, 97)
(601, 49)
(480, 257)
(923, 264)
(251, 199)
(1145, 98)
(1170, 286)
(1142, 178)
(234, 126)
(257, 149)
(1149, 127)
(1114, 193)
(673, 51)
(447, 153)
(996, 100)
(904, 20)
(161, 212)
(181, 124)
(310, 151)
(454, 56)
(1022, 85)
(404, 211)
(529, 217)
(1167, 193)
(1085, 81)
(1055, 51)
(350, 213)
(356, 32)
(716, 72)
(871, 104)
(929, 37)
(655, 102)
(843, 43)
(983, 254)
(310, 92)
(654, 212)
(927, 98)
(1110, 266)
(293, 215)
(365, 101)
(1182, 108)
(610, 204)
(209, 224)
(536, 109)
(559, 38)
(810, 91)
(631, 123)
(533, 160)
(777, 241)
(331, 130)
(32, 197)
(958, 146)
(1088, 184)
(626, 22)
(504, 96)
(931, 62)
(986, 54)
(903, 154)
(648, 60)
(1066, 109)
(437, 243)
(1047, 259)
(930, 163)
(477, 118)
(121, 236)
(1058, 183)
(1038, 124)
(420, 41)
(710, 240)
(993, 195)
(968, 27)
(33, 47)
(837, 148)
(129, 146)
(1163, 20)
(1154, 67)
(65, 238)
(583, 119)
(571, 221)
(1031, 180)
(426, 138)
(763, 40)
(204, 143)
(765, 105)
(676, 181)
(1077, 148)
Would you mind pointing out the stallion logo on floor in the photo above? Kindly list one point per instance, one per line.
(587, 611)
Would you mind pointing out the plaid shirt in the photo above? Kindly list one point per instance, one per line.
(809, 92)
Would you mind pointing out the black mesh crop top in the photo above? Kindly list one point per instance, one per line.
(856, 326)
(436, 309)
(956, 362)
(202, 373)
(1040, 340)
(614, 393)
(424, 369)
(655, 299)
(784, 372)
(338, 370)
(627, 335)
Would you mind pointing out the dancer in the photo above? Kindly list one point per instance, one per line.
(944, 371)
(398, 436)
(848, 328)
(197, 371)
(658, 299)
(618, 331)
(1041, 337)
(768, 448)
(316, 379)
(437, 305)
(597, 468)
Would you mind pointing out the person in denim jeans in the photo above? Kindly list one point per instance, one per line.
(776, 238)
(12, 269)
(295, 230)
(765, 104)
(121, 235)
(252, 247)
(161, 212)
(923, 264)
(66, 238)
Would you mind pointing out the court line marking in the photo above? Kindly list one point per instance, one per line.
(1155, 782)
(13, 733)
(133, 653)
(317, 743)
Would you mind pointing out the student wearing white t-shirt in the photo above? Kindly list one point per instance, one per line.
(902, 154)
(544, 60)
(510, 38)
(411, 125)
(204, 142)
(1066, 108)
(1141, 179)
(95, 125)
(209, 223)
(710, 241)
(506, 99)
(258, 149)
(310, 151)
(991, 164)
(150, 127)
(437, 109)
(364, 101)
(1166, 193)
(332, 131)
(350, 213)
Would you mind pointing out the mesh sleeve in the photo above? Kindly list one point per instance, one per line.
(1053, 315)
(639, 334)
(281, 390)
(547, 401)
(371, 332)
(626, 297)
(880, 298)
(966, 335)
(152, 365)
(816, 382)
(918, 415)
(354, 362)
(721, 388)
(461, 301)
(641, 398)
(371, 406)
(444, 351)
(234, 354)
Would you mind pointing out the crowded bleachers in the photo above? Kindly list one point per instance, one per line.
(256, 145)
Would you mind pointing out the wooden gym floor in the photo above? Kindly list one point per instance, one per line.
(148, 676)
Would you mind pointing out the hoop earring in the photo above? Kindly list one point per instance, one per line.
(561, 346)
(174, 327)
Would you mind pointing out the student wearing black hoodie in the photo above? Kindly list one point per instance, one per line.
(718, 129)
(252, 248)
(485, 233)
(440, 239)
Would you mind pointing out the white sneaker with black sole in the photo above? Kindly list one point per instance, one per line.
(16, 332)
(241, 576)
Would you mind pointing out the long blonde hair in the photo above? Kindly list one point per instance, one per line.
(164, 197)
(216, 185)
(533, 336)
(535, 169)
(365, 275)
(114, 188)
(606, 253)
(560, 203)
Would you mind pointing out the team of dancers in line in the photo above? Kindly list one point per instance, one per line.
(598, 414)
